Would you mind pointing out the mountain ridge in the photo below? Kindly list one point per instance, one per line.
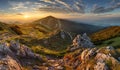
(63, 24)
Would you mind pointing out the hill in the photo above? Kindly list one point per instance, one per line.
(106, 33)
(4, 27)
(67, 25)
(107, 36)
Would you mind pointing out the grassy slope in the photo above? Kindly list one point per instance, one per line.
(30, 34)
(109, 36)
(115, 42)
(34, 35)
(106, 33)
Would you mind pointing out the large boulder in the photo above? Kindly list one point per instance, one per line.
(14, 55)
(8, 63)
(4, 49)
(23, 51)
(82, 41)
(8, 60)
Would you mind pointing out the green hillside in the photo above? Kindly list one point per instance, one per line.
(115, 42)
(106, 33)
(108, 36)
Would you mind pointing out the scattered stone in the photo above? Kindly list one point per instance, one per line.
(109, 48)
(51, 68)
(100, 66)
(65, 34)
(60, 67)
(62, 34)
(55, 65)
(36, 67)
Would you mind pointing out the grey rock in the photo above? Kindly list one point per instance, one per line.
(109, 48)
(82, 41)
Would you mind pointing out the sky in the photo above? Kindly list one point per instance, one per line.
(102, 12)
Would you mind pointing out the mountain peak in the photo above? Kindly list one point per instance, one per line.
(46, 18)
(50, 17)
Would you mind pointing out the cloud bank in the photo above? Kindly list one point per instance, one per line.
(65, 6)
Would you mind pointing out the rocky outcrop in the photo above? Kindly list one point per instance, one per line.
(86, 54)
(82, 41)
(8, 60)
(23, 51)
(8, 63)
(65, 34)
(10, 54)
(92, 59)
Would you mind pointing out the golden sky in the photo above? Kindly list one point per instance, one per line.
(82, 10)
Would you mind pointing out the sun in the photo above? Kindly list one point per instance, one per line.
(26, 16)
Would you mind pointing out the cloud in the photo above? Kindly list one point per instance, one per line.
(49, 1)
(64, 3)
(20, 14)
(100, 9)
(58, 6)
(1, 10)
(17, 5)
(79, 7)
(64, 6)
(53, 10)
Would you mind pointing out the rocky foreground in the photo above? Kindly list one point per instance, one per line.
(81, 55)
(92, 59)
(13, 56)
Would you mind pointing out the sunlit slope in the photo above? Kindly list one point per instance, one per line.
(6, 32)
(5, 27)
(106, 33)
(108, 36)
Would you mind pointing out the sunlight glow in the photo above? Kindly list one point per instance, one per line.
(26, 16)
